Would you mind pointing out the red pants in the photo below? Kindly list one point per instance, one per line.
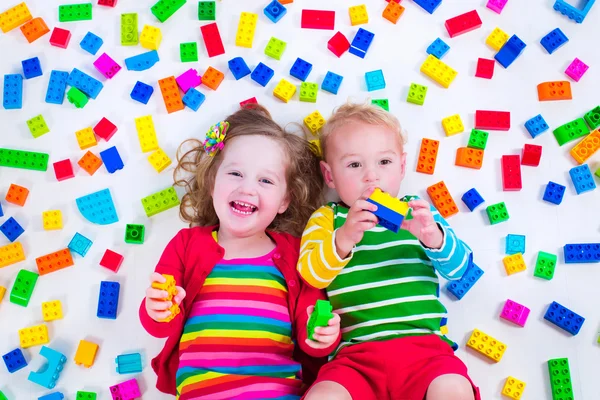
(397, 369)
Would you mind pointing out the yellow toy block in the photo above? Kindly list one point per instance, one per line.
(438, 71)
(514, 263)
(14, 17)
(86, 138)
(453, 125)
(246, 28)
(11, 254)
(151, 37)
(317, 147)
(169, 287)
(159, 160)
(52, 310)
(497, 39)
(284, 90)
(486, 345)
(33, 336)
(358, 15)
(2, 292)
(388, 201)
(314, 122)
(86, 353)
(52, 220)
(513, 388)
(444, 329)
(146, 133)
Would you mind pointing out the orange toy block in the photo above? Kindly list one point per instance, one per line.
(54, 261)
(90, 162)
(558, 90)
(86, 353)
(212, 78)
(2, 292)
(442, 200)
(468, 157)
(11, 253)
(285, 1)
(17, 195)
(427, 154)
(393, 11)
(171, 95)
(586, 147)
(34, 29)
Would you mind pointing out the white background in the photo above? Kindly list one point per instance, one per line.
(397, 49)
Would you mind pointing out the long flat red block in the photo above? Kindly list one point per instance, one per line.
(492, 120)
(212, 39)
(318, 19)
(511, 173)
(463, 23)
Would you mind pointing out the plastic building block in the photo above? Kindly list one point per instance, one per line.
(127, 390)
(428, 156)
(545, 265)
(442, 199)
(246, 29)
(52, 220)
(129, 363)
(11, 254)
(206, 11)
(77, 97)
(108, 300)
(80, 244)
(478, 139)
(11, 229)
(416, 94)
(160, 201)
(37, 126)
(390, 210)
(314, 122)
(438, 71)
(212, 39)
(358, 15)
(331, 82)
(63, 170)
(361, 43)
(85, 83)
(472, 199)
(576, 69)
(511, 50)
(53, 396)
(2, 292)
(188, 52)
(86, 395)
(3, 396)
(146, 133)
(86, 353)
(275, 11)
(159, 159)
(75, 12)
(171, 289)
(553, 40)
(469, 157)
(98, 207)
(31, 68)
(142, 61)
(492, 120)
(576, 14)
(554, 193)
(513, 387)
(14, 360)
(36, 28)
(376, 81)
(586, 148)
(308, 92)
(238, 68)
(463, 23)
(284, 90)
(193, 99)
(577, 253)
(511, 173)
(48, 374)
(496, 5)
(383, 103)
(571, 131)
(170, 94)
(515, 244)
(428, 5)
(107, 66)
(1, 215)
(251, 100)
(552, 91)
(24, 283)
(57, 87)
(52, 310)
(438, 48)
(54, 261)
(582, 179)
(129, 29)
(164, 9)
(262, 74)
(14, 17)
(107, 3)
(393, 11)
(497, 213)
(320, 317)
(486, 345)
(514, 263)
(86, 138)
(105, 129)
(134, 234)
(111, 159)
(142, 92)
(564, 318)
(33, 336)
(17, 195)
(318, 19)
(212, 78)
(453, 125)
(560, 379)
(460, 287)
(531, 155)
(151, 37)
(275, 48)
(13, 91)
(91, 43)
(497, 39)
(515, 312)
(301, 69)
(189, 79)
(338, 44)
(485, 68)
(536, 126)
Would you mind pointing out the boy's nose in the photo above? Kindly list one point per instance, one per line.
(371, 176)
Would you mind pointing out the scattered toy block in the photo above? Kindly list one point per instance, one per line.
(576, 69)
(146, 133)
(582, 179)
(416, 94)
(57, 86)
(571, 131)
(60, 38)
(478, 139)
(17, 195)
(134, 234)
(171, 95)
(129, 29)
(442, 199)
(472, 199)
(513, 387)
(48, 374)
(52, 310)
(497, 39)
(246, 29)
(338, 44)
(206, 11)
(275, 11)
(159, 159)
(438, 48)
(90, 163)
(193, 99)
(87, 395)
(80, 244)
(428, 156)
(492, 120)
(11, 254)
(275, 48)
(554, 193)
(428, 5)
(515, 313)
(54, 261)
(536, 126)
(578, 253)
(553, 40)
(497, 6)
(553, 91)
(383, 103)
(262, 74)
(564, 318)
(143, 61)
(31, 68)
(577, 14)
(331, 82)
(63, 170)
(515, 244)
(88, 85)
(37, 126)
(361, 43)
(107, 3)
(13, 92)
(485, 68)
(212, 39)
(510, 51)
(108, 300)
(301, 69)
(453, 125)
(586, 148)
(486, 345)
(390, 210)
(358, 15)
(164, 9)
(86, 138)
(308, 92)
(463, 23)
(251, 100)
(314, 122)
(238, 67)
(469, 157)
(189, 79)
(129, 363)
(317, 19)
(91, 43)
(151, 37)
(393, 11)
(545, 265)
(284, 90)
(77, 97)
(14, 17)
(36, 28)
(438, 71)
(33, 336)
(86, 353)
(560, 378)
(188, 52)
(75, 12)
(111, 159)
(497, 213)
(511, 173)
(107, 66)
(11, 229)
(160, 201)
(212, 78)
(98, 207)
(142, 92)
(376, 81)
(514, 263)
(460, 287)
(14, 360)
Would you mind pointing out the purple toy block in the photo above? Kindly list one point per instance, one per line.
(127, 390)
(515, 312)
(496, 5)
(188, 79)
(576, 69)
(107, 66)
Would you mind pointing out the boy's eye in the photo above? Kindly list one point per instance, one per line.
(385, 162)
(354, 165)
(267, 181)
(234, 173)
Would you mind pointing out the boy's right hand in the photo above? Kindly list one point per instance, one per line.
(360, 219)
(156, 306)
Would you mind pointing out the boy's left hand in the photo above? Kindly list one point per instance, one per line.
(423, 226)
(324, 336)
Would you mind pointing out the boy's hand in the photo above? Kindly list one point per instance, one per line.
(360, 219)
(324, 336)
(423, 226)
(156, 306)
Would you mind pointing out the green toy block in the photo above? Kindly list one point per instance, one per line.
(497, 213)
(320, 317)
(560, 379)
(86, 395)
(383, 103)
(77, 97)
(478, 139)
(129, 29)
(37, 126)
(275, 48)
(23, 287)
(2, 396)
(75, 12)
(592, 118)
(134, 234)
(160, 201)
(206, 10)
(597, 173)
(23, 159)
(571, 131)
(188, 51)
(163, 9)
(416, 94)
(545, 265)
(308, 92)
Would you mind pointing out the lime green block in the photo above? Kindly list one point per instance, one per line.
(23, 287)
(571, 131)
(160, 201)
(163, 9)
(37, 126)
(320, 317)
(23, 159)
(416, 94)
(478, 139)
(129, 29)
(308, 92)
(75, 12)
(383, 103)
(275, 48)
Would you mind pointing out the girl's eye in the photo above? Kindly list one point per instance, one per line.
(385, 162)
(354, 165)
(235, 173)
(267, 181)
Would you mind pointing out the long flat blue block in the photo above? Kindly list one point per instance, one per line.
(579, 253)
(108, 300)
(460, 287)
(57, 86)
(142, 61)
(82, 81)
(13, 92)
(564, 318)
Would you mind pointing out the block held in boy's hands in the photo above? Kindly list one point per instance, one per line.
(320, 317)
(390, 211)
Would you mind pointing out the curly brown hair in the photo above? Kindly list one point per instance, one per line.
(303, 175)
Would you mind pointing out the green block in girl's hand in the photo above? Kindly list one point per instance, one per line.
(320, 317)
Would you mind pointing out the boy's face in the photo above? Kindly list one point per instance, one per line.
(361, 156)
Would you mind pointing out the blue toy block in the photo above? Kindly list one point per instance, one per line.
(554, 193)
(238, 68)
(275, 11)
(11, 229)
(510, 51)
(361, 42)
(428, 5)
(388, 218)
(98, 207)
(472, 199)
(301, 69)
(111, 159)
(193, 99)
(142, 92)
(553, 40)
(580, 253)
(375, 80)
(142, 61)
(438, 48)
(332, 82)
(582, 178)
(80, 244)
(262, 74)
(49, 373)
(1, 212)
(53, 396)
(108, 300)
(13, 91)
(85, 83)
(57, 86)
(564, 318)
(129, 363)
(536, 126)
(515, 244)
(14, 360)
(460, 287)
(31, 68)
(91, 43)
(577, 15)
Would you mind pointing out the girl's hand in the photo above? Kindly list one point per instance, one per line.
(156, 306)
(324, 336)
(423, 226)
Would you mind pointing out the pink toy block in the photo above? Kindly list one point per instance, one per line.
(515, 312)
(188, 79)
(576, 69)
(127, 390)
(107, 66)
(496, 5)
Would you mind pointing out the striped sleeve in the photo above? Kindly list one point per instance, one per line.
(319, 262)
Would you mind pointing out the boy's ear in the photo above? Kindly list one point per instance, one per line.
(402, 166)
(327, 175)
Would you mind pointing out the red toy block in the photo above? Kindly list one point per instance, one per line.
(318, 19)
(54, 261)
(492, 120)
(531, 155)
(107, 3)
(17, 194)
(511, 173)
(251, 100)
(34, 29)
(463, 23)
(90, 162)
(60, 38)
(485, 68)
(212, 39)
(105, 129)
(63, 170)
(338, 44)
(111, 260)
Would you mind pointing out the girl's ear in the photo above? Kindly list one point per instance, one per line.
(327, 175)
(284, 205)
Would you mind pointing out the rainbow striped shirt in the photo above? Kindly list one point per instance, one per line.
(237, 341)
